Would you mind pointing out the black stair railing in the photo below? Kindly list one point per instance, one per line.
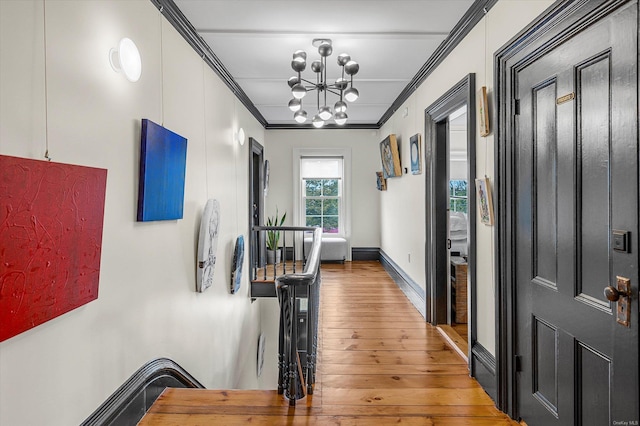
(296, 377)
(297, 286)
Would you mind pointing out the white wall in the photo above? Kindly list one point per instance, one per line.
(402, 218)
(365, 161)
(59, 372)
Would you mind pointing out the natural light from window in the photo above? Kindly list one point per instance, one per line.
(322, 180)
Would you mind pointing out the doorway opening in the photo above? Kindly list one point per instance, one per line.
(450, 215)
(458, 231)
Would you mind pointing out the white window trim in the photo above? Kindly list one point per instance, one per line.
(298, 213)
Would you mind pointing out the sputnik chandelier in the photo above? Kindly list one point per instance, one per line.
(300, 86)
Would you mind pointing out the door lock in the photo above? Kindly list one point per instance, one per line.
(622, 295)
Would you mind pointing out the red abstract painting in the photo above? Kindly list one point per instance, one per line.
(51, 218)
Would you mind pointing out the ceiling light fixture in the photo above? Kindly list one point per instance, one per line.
(342, 88)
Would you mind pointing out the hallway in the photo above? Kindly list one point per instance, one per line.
(379, 363)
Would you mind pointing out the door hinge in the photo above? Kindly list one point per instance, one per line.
(516, 107)
(517, 363)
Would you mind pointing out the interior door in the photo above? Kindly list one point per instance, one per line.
(256, 202)
(577, 186)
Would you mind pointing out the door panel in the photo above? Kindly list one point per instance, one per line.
(594, 222)
(577, 181)
(544, 179)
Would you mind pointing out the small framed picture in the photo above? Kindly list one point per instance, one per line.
(381, 182)
(485, 203)
(483, 112)
(390, 156)
(415, 147)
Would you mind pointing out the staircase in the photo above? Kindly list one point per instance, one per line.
(378, 363)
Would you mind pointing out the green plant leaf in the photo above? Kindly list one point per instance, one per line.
(273, 236)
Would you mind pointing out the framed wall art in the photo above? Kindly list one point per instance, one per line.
(485, 202)
(236, 266)
(163, 163)
(381, 182)
(51, 217)
(390, 156)
(415, 148)
(208, 245)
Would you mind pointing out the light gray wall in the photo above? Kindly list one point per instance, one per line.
(59, 372)
(403, 228)
(365, 161)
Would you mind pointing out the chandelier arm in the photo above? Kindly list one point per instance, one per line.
(325, 96)
(324, 73)
(307, 81)
(332, 91)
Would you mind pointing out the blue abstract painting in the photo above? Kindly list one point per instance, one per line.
(163, 163)
(236, 267)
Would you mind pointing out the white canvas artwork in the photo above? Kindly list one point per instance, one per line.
(208, 244)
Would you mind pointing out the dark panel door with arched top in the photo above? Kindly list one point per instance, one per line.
(576, 227)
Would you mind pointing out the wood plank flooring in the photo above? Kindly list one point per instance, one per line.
(379, 364)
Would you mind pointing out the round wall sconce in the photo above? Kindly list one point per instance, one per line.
(240, 136)
(126, 58)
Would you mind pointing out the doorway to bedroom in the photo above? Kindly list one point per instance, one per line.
(450, 215)
(458, 231)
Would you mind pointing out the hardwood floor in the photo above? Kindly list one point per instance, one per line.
(462, 330)
(379, 363)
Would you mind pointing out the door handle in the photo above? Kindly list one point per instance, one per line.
(622, 295)
(613, 294)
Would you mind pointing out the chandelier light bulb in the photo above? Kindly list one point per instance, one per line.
(300, 54)
(340, 118)
(343, 58)
(325, 49)
(293, 81)
(351, 94)
(342, 83)
(295, 105)
(300, 116)
(352, 68)
(325, 113)
(316, 66)
(340, 106)
(317, 122)
(298, 91)
(299, 64)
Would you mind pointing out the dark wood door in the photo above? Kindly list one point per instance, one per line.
(577, 182)
(256, 203)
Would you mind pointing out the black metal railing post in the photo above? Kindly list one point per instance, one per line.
(296, 377)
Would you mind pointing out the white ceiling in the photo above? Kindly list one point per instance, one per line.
(391, 40)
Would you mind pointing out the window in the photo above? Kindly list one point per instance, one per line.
(322, 193)
(458, 196)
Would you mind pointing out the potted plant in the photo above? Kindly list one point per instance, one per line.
(274, 254)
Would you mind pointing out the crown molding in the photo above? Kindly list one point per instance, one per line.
(176, 18)
(173, 14)
(475, 13)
